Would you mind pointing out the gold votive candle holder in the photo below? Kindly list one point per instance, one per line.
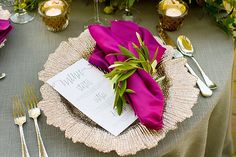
(54, 14)
(171, 14)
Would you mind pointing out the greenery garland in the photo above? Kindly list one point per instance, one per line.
(28, 5)
(224, 12)
(113, 5)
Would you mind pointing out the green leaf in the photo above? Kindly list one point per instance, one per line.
(116, 78)
(114, 86)
(123, 101)
(154, 65)
(130, 91)
(135, 46)
(126, 68)
(141, 56)
(22, 5)
(154, 56)
(116, 97)
(114, 65)
(127, 75)
(139, 38)
(149, 67)
(123, 88)
(146, 52)
(131, 3)
(229, 21)
(126, 52)
(158, 80)
(135, 61)
(109, 9)
(126, 63)
(112, 73)
(144, 58)
(119, 106)
(140, 52)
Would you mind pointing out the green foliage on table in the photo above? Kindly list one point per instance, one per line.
(113, 5)
(28, 5)
(224, 12)
(123, 70)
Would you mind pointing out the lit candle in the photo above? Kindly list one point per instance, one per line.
(53, 12)
(53, 7)
(173, 12)
(54, 3)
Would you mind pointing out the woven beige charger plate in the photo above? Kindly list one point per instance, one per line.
(179, 91)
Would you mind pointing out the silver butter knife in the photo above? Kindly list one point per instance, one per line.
(205, 91)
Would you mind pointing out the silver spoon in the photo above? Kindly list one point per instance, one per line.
(2, 75)
(186, 49)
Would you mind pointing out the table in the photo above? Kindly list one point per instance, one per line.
(206, 133)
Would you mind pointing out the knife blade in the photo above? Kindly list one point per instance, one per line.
(205, 91)
(166, 38)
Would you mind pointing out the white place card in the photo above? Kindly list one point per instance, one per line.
(87, 89)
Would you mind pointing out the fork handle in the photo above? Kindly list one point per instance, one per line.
(41, 147)
(24, 149)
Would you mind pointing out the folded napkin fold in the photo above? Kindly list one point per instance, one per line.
(5, 25)
(148, 99)
(5, 29)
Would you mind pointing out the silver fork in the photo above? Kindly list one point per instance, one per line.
(34, 112)
(19, 119)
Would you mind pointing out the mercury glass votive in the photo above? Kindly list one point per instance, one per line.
(171, 14)
(54, 14)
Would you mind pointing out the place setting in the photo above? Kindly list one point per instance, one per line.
(117, 87)
(139, 109)
(123, 92)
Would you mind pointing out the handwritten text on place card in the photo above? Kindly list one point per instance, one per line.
(87, 89)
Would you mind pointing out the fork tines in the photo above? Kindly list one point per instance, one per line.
(18, 109)
(30, 97)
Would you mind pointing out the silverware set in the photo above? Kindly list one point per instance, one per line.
(19, 115)
(186, 49)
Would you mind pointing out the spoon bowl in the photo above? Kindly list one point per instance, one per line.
(185, 45)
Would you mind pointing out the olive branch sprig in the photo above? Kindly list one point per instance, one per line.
(123, 70)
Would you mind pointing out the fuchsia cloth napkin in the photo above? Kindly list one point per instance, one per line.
(5, 29)
(148, 99)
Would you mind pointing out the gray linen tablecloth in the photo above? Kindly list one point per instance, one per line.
(206, 133)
